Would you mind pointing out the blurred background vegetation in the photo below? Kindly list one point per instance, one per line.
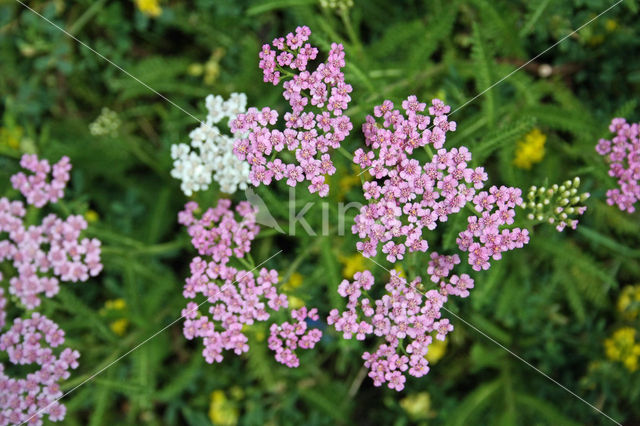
(568, 303)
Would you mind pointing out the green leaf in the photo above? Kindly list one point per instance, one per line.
(544, 409)
(268, 5)
(472, 404)
(506, 135)
(605, 241)
(181, 381)
(533, 17)
(483, 73)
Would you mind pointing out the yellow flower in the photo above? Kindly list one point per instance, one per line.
(11, 137)
(295, 302)
(622, 347)
(195, 69)
(115, 304)
(91, 216)
(352, 264)
(437, 349)
(295, 280)
(530, 150)
(417, 405)
(119, 326)
(629, 301)
(149, 7)
(611, 24)
(222, 411)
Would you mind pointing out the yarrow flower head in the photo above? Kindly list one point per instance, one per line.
(39, 188)
(33, 341)
(405, 317)
(234, 297)
(314, 124)
(488, 234)
(45, 254)
(285, 338)
(558, 204)
(623, 155)
(42, 256)
(209, 156)
(413, 196)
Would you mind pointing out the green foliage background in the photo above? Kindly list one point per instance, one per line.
(553, 302)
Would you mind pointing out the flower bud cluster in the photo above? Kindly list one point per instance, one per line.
(559, 205)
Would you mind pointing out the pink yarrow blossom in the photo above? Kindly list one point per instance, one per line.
(405, 318)
(407, 197)
(314, 125)
(235, 297)
(39, 188)
(34, 341)
(623, 155)
(44, 254)
(285, 338)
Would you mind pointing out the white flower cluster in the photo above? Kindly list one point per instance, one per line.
(210, 155)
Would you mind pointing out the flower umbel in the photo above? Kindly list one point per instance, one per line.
(210, 155)
(314, 125)
(235, 297)
(45, 254)
(559, 205)
(623, 155)
(33, 341)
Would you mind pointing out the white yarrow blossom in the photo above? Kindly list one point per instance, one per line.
(210, 155)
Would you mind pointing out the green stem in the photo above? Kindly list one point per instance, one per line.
(155, 249)
(353, 36)
(298, 260)
(85, 17)
(346, 154)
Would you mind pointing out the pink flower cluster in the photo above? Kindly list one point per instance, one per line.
(46, 253)
(235, 297)
(485, 236)
(285, 338)
(623, 155)
(217, 233)
(314, 124)
(3, 306)
(413, 196)
(37, 188)
(403, 316)
(29, 341)
(42, 255)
